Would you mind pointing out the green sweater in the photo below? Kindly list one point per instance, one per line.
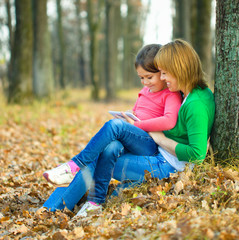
(194, 124)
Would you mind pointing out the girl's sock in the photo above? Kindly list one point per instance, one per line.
(93, 203)
(74, 167)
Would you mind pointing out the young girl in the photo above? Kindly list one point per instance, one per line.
(157, 108)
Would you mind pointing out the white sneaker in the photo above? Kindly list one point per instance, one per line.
(89, 209)
(60, 176)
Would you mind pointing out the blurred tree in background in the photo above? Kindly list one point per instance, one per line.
(61, 44)
(58, 44)
(192, 22)
(20, 82)
(93, 43)
(43, 83)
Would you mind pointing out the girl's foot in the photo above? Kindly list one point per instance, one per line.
(62, 175)
(89, 208)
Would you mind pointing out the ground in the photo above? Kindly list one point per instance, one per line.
(199, 204)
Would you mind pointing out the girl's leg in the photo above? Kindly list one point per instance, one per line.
(132, 138)
(104, 170)
(97, 175)
(69, 196)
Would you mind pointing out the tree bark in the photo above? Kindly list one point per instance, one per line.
(62, 66)
(132, 43)
(20, 87)
(43, 83)
(112, 8)
(226, 127)
(81, 53)
(182, 20)
(94, 21)
(11, 37)
(203, 37)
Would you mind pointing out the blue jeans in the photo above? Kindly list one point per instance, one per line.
(119, 149)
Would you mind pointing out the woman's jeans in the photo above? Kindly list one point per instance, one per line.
(119, 149)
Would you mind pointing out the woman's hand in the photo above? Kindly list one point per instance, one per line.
(166, 143)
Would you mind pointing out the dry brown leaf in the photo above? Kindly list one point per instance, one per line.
(61, 235)
(39, 137)
(125, 208)
(179, 186)
(140, 200)
(233, 175)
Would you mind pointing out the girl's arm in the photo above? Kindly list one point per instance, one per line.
(168, 120)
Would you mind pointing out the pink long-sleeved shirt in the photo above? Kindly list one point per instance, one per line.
(158, 111)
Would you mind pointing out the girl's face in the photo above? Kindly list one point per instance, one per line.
(151, 80)
(170, 80)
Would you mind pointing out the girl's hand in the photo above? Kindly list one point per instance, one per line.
(128, 119)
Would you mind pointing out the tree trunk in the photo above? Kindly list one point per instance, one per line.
(225, 131)
(11, 38)
(93, 17)
(132, 42)
(111, 39)
(9, 23)
(42, 63)
(62, 80)
(81, 53)
(182, 20)
(203, 37)
(20, 87)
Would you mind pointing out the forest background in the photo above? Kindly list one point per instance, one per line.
(62, 70)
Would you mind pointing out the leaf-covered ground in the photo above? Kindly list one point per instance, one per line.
(202, 204)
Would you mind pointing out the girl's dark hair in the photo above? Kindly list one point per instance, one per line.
(145, 57)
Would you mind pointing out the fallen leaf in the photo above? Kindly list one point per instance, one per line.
(125, 208)
(179, 186)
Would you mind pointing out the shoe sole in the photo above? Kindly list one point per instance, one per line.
(46, 176)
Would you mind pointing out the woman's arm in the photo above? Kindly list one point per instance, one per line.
(166, 143)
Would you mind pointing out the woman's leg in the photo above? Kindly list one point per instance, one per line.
(125, 167)
(132, 168)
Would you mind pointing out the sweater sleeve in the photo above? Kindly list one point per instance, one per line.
(168, 120)
(197, 128)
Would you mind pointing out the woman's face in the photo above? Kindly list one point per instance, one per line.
(171, 81)
(151, 80)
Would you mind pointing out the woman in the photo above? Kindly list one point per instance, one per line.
(181, 69)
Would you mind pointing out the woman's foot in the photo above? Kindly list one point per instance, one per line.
(89, 208)
(62, 175)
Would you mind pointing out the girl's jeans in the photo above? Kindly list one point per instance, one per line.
(119, 149)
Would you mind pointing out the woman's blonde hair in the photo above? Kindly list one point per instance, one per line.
(181, 61)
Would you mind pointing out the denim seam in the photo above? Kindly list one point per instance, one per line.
(80, 163)
(139, 136)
